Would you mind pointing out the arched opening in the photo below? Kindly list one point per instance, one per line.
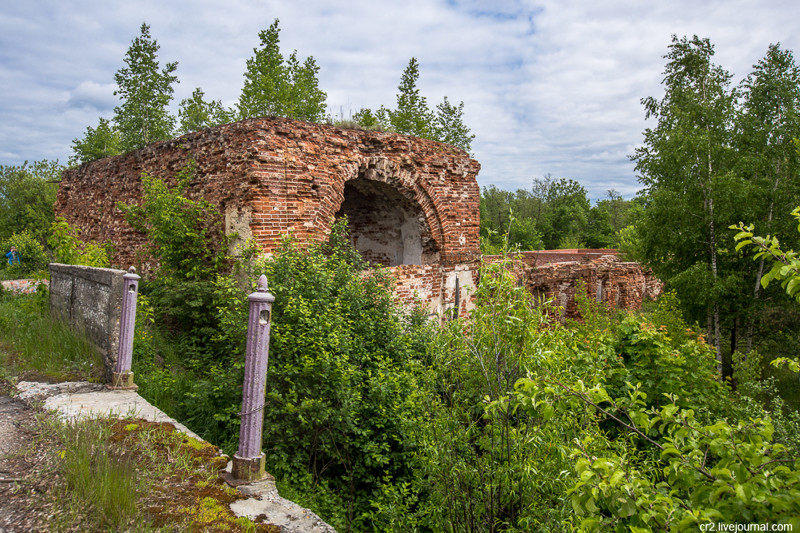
(386, 227)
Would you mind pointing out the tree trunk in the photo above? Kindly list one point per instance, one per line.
(757, 289)
(713, 246)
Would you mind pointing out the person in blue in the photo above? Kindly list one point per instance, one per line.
(13, 256)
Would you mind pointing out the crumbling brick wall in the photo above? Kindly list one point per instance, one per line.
(412, 201)
(555, 275)
(412, 205)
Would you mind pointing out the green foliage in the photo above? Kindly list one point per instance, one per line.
(342, 369)
(519, 234)
(104, 141)
(95, 476)
(552, 214)
(185, 236)
(145, 90)
(567, 214)
(662, 445)
(35, 344)
(449, 127)
(766, 125)
(33, 257)
(366, 119)
(652, 360)
(278, 86)
(708, 473)
(785, 264)
(69, 249)
(629, 243)
(412, 116)
(27, 195)
(686, 166)
(196, 114)
(342, 362)
(482, 464)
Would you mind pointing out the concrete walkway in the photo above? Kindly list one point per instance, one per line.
(76, 400)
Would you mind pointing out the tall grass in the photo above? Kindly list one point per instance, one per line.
(96, 477)
(31, 342)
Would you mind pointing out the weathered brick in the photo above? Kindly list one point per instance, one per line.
(412, 204)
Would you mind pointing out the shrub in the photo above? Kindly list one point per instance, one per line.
(33, 257)
(69, 249)
(185, 236)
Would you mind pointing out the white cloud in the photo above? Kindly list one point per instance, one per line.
(548, 85)
(94, 95)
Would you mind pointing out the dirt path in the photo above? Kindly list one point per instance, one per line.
(19, 456)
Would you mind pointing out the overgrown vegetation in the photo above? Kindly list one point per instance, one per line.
(555, 213)
(509, 420)
(35, 346)
(130, 475)
(100, 474)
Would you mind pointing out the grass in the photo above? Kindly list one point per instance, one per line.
(135, 475)
(108, 474)
(34, 346)
(100, 481)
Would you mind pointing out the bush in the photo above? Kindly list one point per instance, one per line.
(342, 368)
(185, 236)
(33, 257)
(69, 249)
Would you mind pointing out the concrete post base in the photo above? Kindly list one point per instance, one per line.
(122, 381)
(249, 469)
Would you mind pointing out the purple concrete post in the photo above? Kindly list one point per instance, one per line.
(122, 377)
(248, 462)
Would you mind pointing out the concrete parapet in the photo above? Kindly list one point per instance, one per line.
(90, 299)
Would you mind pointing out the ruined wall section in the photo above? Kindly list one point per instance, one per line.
(434, 287)
(623, 285)
(272, 176)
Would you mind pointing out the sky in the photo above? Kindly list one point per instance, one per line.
(549, 87)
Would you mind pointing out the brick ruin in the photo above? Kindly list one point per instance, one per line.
(412, 204)
(555, 275)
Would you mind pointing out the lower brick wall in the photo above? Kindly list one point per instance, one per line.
(623, 285)
(434, 286)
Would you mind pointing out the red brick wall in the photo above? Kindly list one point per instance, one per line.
(278, 176)
(434, 286)
(273, 177)
(623, 285)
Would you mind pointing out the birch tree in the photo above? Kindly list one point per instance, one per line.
(145, 90)
(685, 165)
(767, 123)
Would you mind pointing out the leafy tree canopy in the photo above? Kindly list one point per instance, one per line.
(104, 141)
(27, 195)
(278, 86)
(412, 116)
(145, 90)
(196, 114)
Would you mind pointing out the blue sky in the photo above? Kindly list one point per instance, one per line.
(549, 86)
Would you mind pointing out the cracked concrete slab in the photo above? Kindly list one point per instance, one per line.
(265, 502)
(74, 400)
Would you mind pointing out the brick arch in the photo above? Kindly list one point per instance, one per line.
(392, 217)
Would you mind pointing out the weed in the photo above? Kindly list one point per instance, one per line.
(35, 345)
